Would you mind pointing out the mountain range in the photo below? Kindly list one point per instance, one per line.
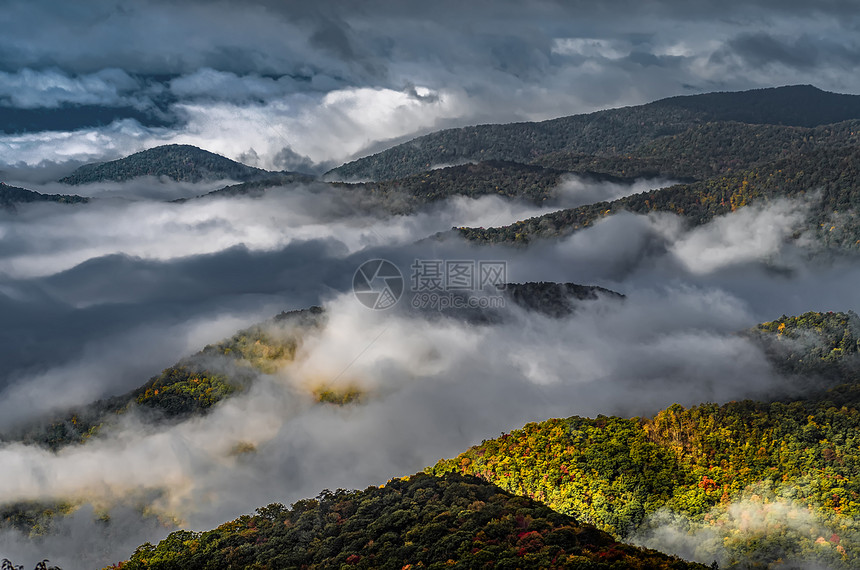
(727, 149)
(608, 476)
(700, 470)
(604, 133)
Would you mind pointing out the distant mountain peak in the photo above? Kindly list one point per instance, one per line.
(609, 132)
(180, 162)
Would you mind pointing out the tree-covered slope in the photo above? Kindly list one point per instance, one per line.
(257, 187)
(418, 522)
(198, 382)
(184, 163)
(696, 462)
(701, 463)
(488, 178)
(711, 149)
(828, 177)
(555, 299)
(812, 344)
(10, 196)
(796, 105)
(192, 386)
(604, 133)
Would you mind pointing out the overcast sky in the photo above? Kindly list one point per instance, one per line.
(312, 84)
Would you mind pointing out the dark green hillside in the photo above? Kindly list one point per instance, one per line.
(554, 299)
(11, 195)
(493, 177)
(698, 462)
(183, 163)
(604, 133)
(190, 386)
(531, 183)
(829, 178)
(711, 149)
(419, 522)
(257, 187)
(796, 105)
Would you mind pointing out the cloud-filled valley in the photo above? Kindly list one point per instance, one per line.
(141, 283)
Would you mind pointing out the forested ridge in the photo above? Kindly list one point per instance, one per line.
(725, 154)
(10, 196)
(774, 480)
(257, 186)
(825, 180)
(704, 153)
(191, 386)
(416, 522)
(604, 133)
(711, 149)
(493, 177)
(698, 462)
(183, 163)
(528, 182)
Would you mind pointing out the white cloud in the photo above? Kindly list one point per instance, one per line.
(423, 384)
(590, 47)
(578, 191)
(750, 234)
(758, 524)
(328, 128)
(30, 89)
(113, 141)
(207, 83)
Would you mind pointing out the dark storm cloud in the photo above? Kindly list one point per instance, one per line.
(361, 41)
(322, 78)
(333, 38)
(288, 159)
(760, 49)
(123, 279)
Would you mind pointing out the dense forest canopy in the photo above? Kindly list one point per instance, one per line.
(416, 522)
(604, 133)
(700, 463)
(825, 179)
